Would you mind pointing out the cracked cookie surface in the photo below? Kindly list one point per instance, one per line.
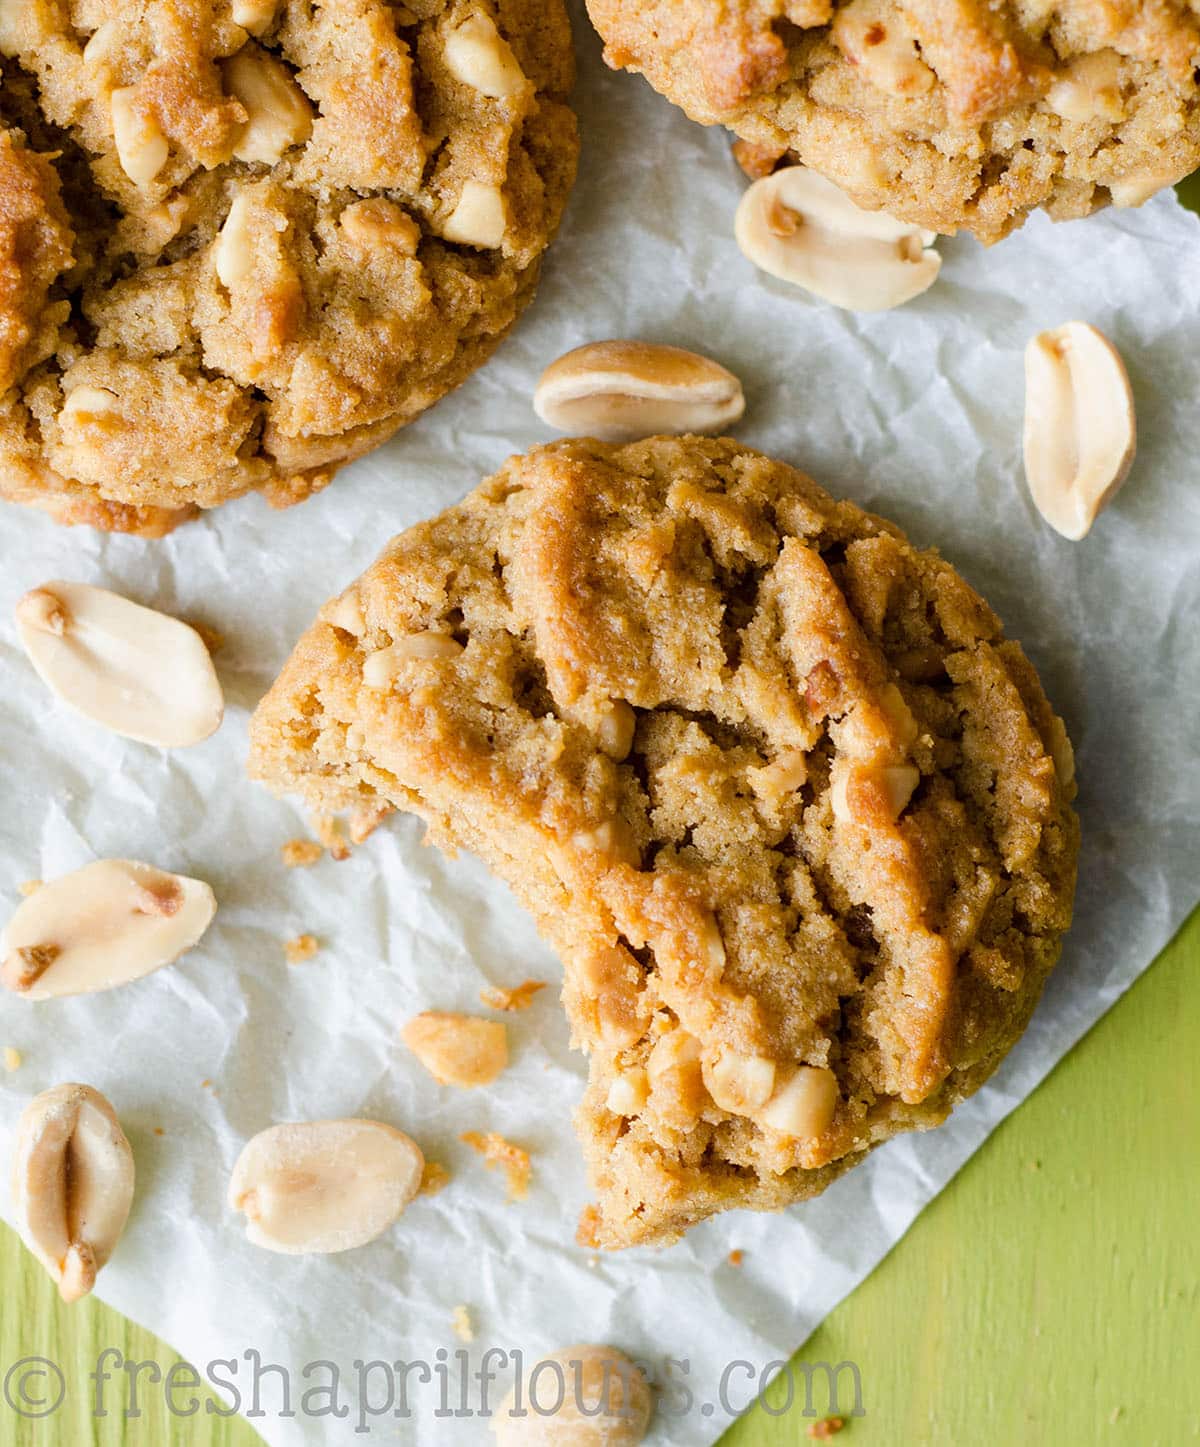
(791, 808)
(243, 241)
(948, 113)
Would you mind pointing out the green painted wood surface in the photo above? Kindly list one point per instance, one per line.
(1050, 1296)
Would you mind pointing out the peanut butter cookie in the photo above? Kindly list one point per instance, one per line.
(793, 811)
(243, 241)
(948, 113)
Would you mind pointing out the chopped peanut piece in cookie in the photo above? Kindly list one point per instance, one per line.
(479, 56)
(457, 1049)
(496, 1151)
(520, 997)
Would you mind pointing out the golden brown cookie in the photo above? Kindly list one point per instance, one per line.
(792, 810)
(949, 113)
(243, 241)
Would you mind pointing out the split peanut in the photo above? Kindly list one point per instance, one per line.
(605, 1402)
(619, 391)
(104, 925)
(72, 1184)
(1080, 429)
(131, 669)
(801, 228)
(316, 1187)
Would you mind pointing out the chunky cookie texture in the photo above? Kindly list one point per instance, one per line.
(950, 113)
(243, 241)
(791, 808)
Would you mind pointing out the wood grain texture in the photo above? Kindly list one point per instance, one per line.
(1049, 1297)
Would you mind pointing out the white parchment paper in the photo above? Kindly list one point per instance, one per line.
(917, 414)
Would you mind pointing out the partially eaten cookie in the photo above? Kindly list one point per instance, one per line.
(791, 808)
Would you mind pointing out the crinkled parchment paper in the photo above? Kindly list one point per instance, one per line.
(917, 414)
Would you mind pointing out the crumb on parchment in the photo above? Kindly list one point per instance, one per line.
(736, 1258)
(28, 887)
(366, 819)
(12, 1058)
(329, 831)
(587, 1231)
(520, 997)
(434, 1178)
(302, 948)
(301, 853)
(461, 1321)
(496, 1151)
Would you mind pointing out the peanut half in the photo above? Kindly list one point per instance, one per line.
(134, 670)
(102, 926)
(324, 1185)
(72, 1184)
(619, 391)
(801, 228)
(604, 1401)
(1080, 429)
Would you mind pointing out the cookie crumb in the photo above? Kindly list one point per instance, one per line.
(300, 853)
(824, 1429)
(461, 1321)
(12, 1058)
(736, 1258)
(496, 1151)
(520, 997)
(158, 1130)
(366, 819)
(30, 886)
(757, 160)
(302, 948)
(206, 1084)
(329, 831)
(434, 1178)
(587, 1232)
